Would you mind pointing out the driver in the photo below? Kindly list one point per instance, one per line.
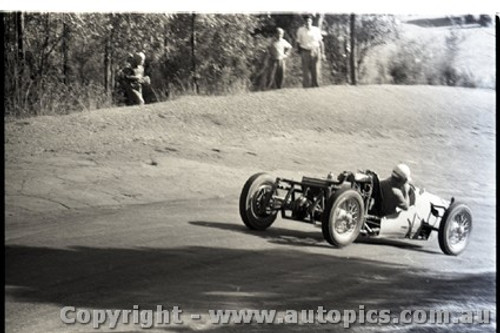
(395, 190)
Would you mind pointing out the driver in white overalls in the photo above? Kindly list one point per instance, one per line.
(395, 190)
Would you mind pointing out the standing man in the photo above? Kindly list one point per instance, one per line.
(278, 52)
(312, 51)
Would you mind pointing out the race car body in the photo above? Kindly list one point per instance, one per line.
(348, 207)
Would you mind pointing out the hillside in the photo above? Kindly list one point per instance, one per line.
(192, 145)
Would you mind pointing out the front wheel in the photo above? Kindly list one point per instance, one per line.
(455, 228)
(256, 202)
(343, 217)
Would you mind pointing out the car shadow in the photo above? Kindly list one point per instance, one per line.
(275, 235)
(401, 244)
(278, 235)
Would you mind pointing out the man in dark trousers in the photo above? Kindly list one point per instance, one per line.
(278, 52)
(312, 51)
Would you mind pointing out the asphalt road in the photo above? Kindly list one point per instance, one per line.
(197, 255)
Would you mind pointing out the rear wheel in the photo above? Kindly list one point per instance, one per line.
(343, 217)
(455, 228)
(256, 202)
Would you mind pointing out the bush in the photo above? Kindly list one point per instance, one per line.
(485, 20)
(50, 97)
(416, 62)
(467, 79)
(410, 63)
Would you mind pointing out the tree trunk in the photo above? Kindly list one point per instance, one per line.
(346, 60)
(107, 65)
(353, 50)
(193, 54)
(108, 50)
(20, 38)
(321, 18)
(19, 55)
(65, 49)
(166, 54)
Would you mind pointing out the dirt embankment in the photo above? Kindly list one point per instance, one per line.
(208, 145)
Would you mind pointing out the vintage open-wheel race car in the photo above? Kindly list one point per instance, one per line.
(348, 207)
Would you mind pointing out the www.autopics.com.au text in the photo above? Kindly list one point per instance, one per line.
(147, 318)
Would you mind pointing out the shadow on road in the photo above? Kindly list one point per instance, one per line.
(274, 235)
(200, 278)
(306, 238)
(401, 244)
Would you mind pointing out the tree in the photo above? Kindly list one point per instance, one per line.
(337, 46)
(193, 54)
(372, 31)
(65, 49)
(352, 56)
(224, 43)
(109, 37)
(69, 61)
(20, 39)
(350, 38)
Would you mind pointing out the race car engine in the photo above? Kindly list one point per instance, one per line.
(300, 207)
(307, 204)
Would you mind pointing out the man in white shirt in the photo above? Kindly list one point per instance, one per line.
(278, 52)
(312, 50)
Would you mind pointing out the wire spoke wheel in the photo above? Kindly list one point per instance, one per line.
(343, 217)
(455, 229)
(460, 229)
(347, 216)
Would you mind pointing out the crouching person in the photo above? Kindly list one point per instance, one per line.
(133, 79)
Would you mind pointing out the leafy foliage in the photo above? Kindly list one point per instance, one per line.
(61, 62)
(414, 62)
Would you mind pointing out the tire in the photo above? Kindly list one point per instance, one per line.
(345, 206)
(455, 228)
(253, 214)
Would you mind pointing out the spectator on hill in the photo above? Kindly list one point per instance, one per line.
(312, 51)
(133, 79)
(278, 52)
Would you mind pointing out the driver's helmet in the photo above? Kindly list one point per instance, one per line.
(402, 172)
